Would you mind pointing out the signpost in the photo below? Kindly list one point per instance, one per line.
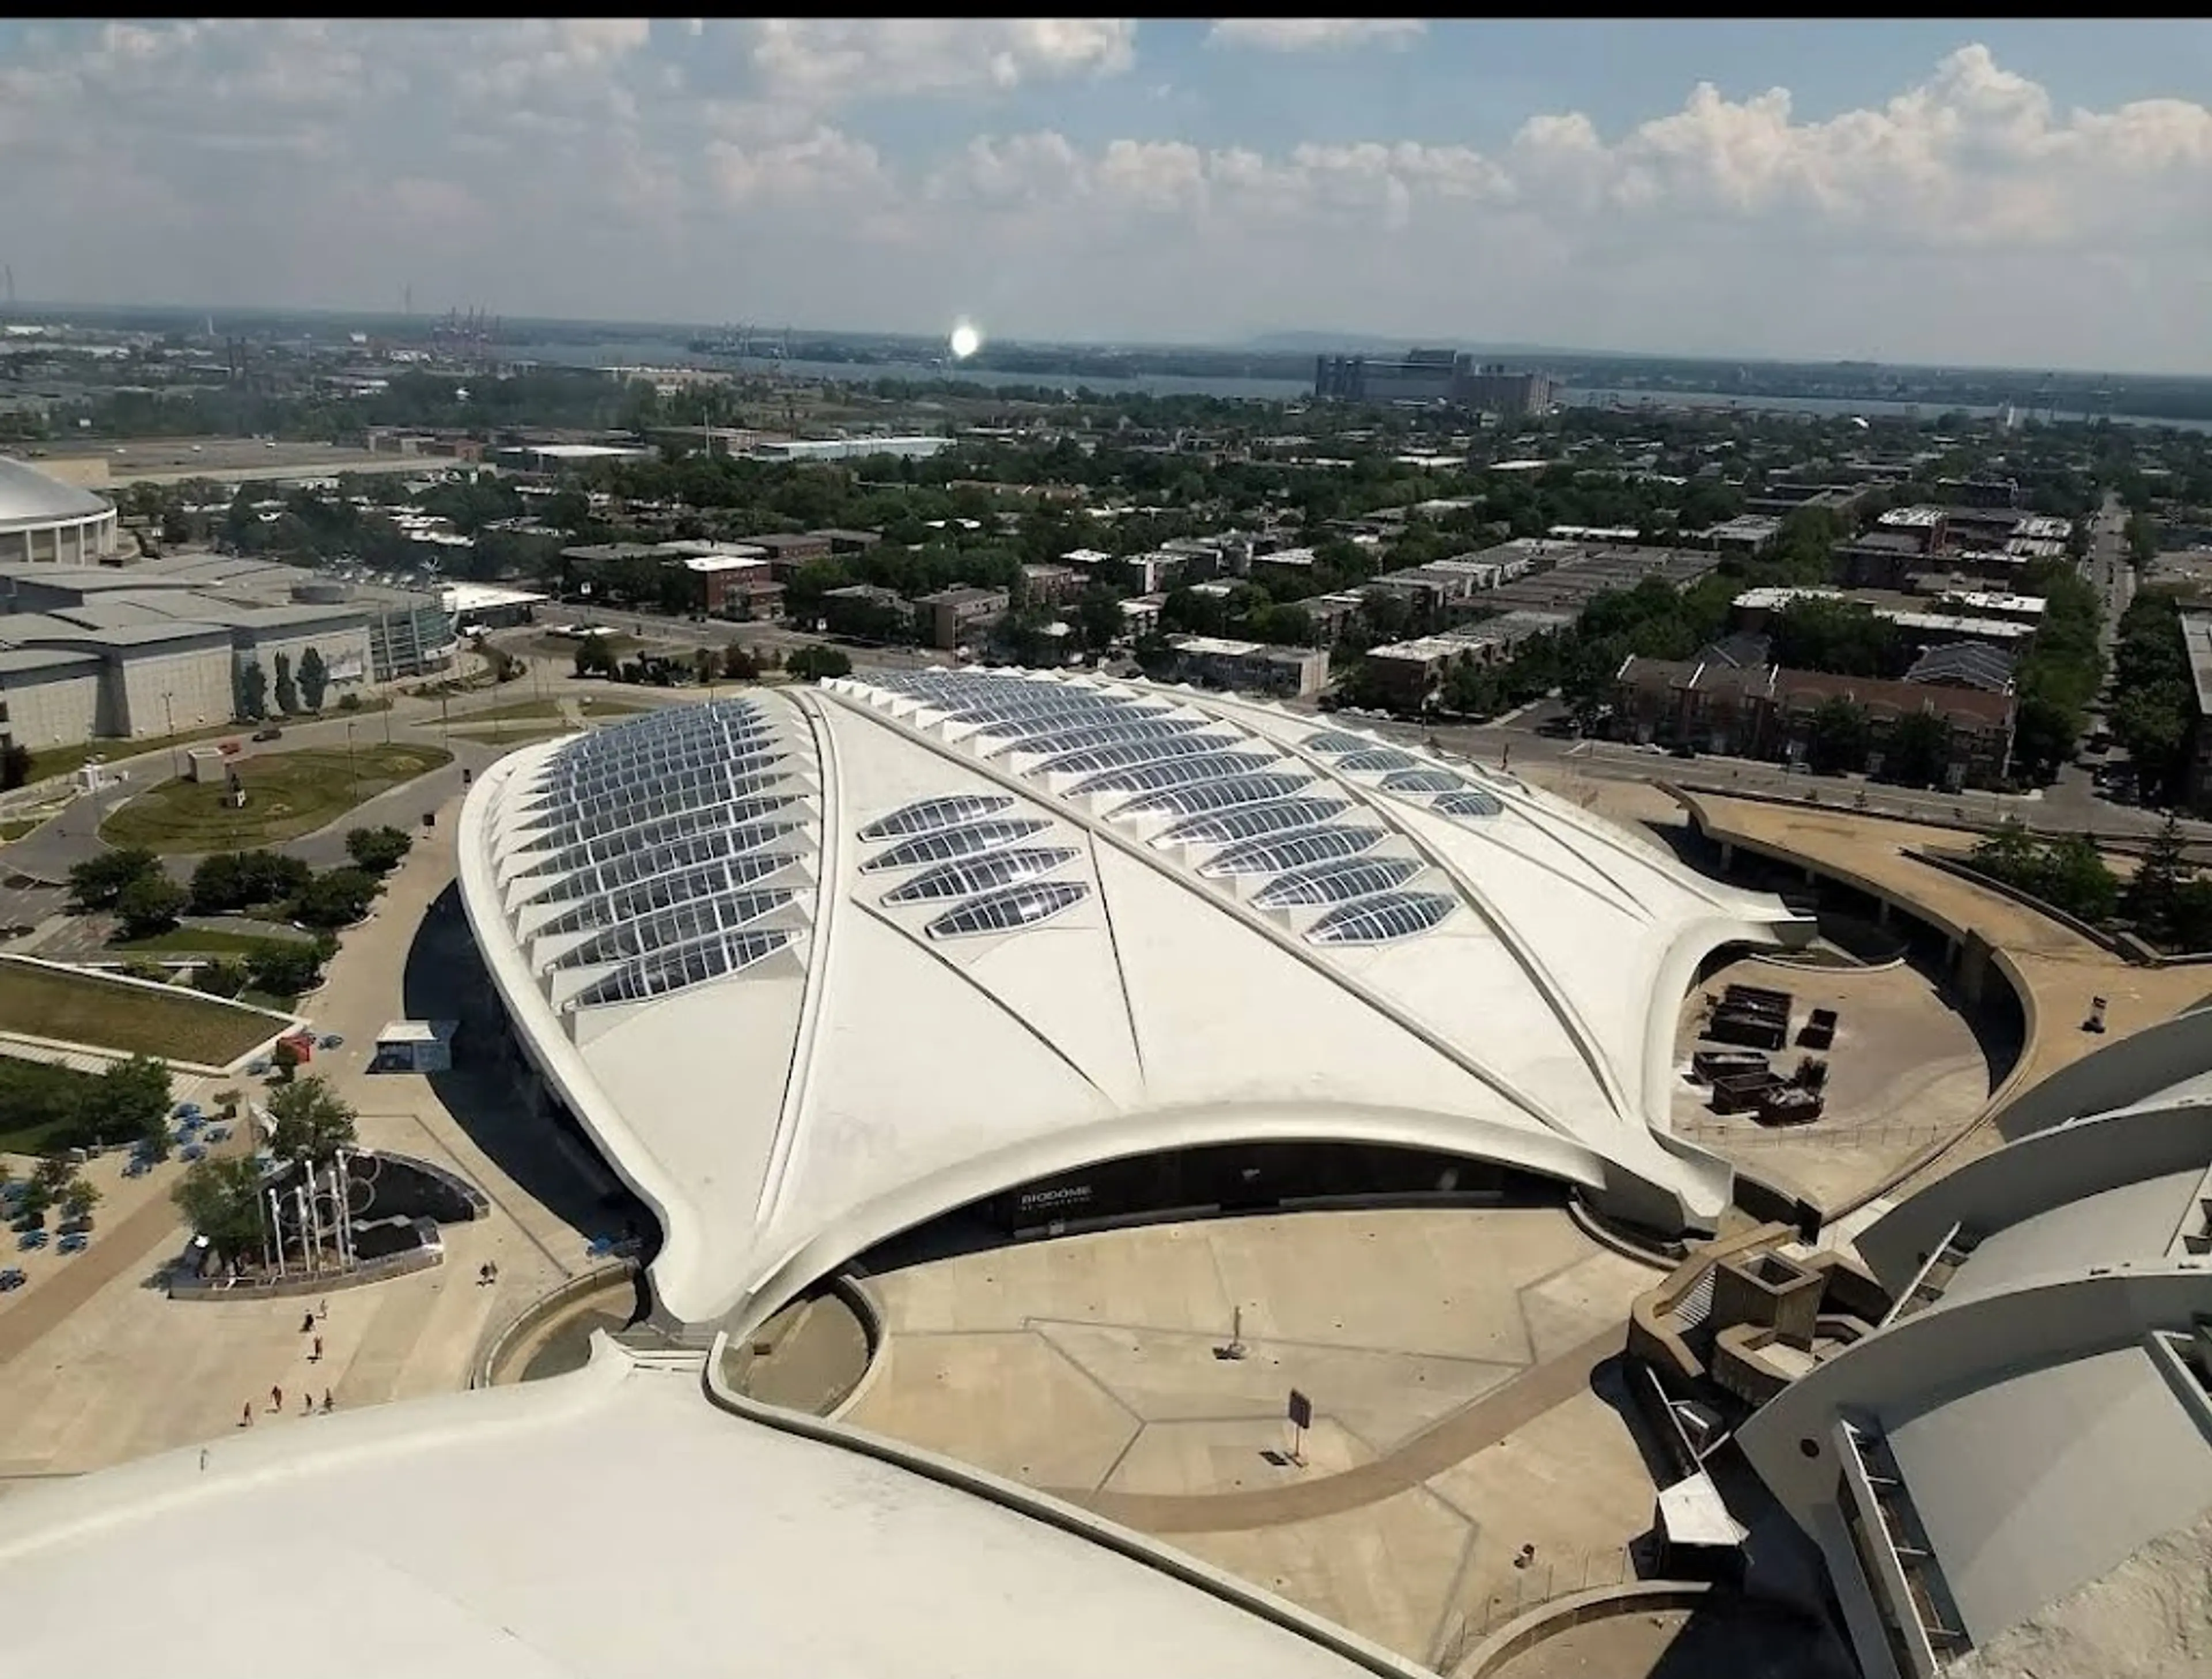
(1301, 1416)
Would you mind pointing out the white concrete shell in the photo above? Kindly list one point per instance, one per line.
(818, 1069)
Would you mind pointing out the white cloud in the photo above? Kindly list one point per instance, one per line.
(838, 59)
(598, 167)
(1313, 34)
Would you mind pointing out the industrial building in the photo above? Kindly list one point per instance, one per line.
(124, 652)
(44, 521)
(1432, 376)
(1148, 922)
(851, 448)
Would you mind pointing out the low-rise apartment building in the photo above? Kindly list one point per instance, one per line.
(1215, 661)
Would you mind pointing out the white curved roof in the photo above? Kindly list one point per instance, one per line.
(30, 497)
(610, 1523)
(819, 964)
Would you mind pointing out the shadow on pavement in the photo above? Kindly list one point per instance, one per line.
(488, 1090)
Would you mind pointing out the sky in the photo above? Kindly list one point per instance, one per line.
(2009, 193)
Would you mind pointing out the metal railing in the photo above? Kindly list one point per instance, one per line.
(1546, 1577)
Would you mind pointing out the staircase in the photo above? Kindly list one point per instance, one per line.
(1933, 1278)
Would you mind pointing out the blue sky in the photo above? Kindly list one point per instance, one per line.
(1964, 191)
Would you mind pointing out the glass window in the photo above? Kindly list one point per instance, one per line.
(1310, 845)
(1053, 735)
(679, 924)
(1003, 912)
(666, 891)
(1152, 777)
(926, 814)
(1377, 757)
(1251, 821)
(666, 857)
(1334, 741)
(579, 844)
(947, 843)
(1335, 879)
(1135, 753)
(1475, 801)
(981, 875)
(1379, 919)
(1422, 781)
(1214, 796)
(685, 965)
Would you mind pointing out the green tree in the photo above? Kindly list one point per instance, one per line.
(98, 881)
(150, 904)
(312, 1123)
(1840, 737)
(379, 850)
(127, 1102)
(252, 691)
(595, 658)
(336, 897)
(78, 1198)
(738, 665)
(816, 664)
(2154, 898)
(1918, 749)
(219, 1197)
(288, 690)
(314, 679)
(229, 880)
(283, 967)
(220, 977)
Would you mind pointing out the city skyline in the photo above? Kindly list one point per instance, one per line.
(2017, 195)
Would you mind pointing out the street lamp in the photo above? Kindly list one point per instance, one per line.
(169, 722)
(353, 773)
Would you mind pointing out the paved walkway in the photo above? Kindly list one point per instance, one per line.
(1472, 1428)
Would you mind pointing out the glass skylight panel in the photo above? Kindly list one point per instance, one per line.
(1383, 918)
(1377, 757)
(1214, 796)
(1133, 753)
(1006, 911)
(968, 840)
(667, 857)
(1336, 740)
(925, 815)
(1006, 711)
(987, 872)
(1475, 801)
(1422, 781)
(1175, 772)
(1288, 851)
(1252, 821)
(591, 817)
(656, 829)
(664, 892)
(681, 924)
(672, 969)
(1334, 880)
(620, 778)
(1053, 736)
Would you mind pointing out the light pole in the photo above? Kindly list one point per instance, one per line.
(353, 772)
(169, 722)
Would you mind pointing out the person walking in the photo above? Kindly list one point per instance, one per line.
(327, 1401)
(276, 1398)
(316, 1357)
(245, 1419)
(306, 1404)
(307, 1323)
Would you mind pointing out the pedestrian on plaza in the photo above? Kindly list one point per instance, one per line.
(327, 1401)
(322, 1311)
(316, 1357)
(491, 1271)
(276, 1398)
(307, 1323)
(246, 1421)
(306, 1404)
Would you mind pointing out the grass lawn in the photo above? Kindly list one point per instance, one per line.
(62, 760)
(12, 832)
(512, 740)
(545, 711)
(622, 643)
(196, 941)
(287, 794)
(134, 1020)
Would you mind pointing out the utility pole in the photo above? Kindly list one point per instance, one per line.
(353, 771)
(169, 722)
